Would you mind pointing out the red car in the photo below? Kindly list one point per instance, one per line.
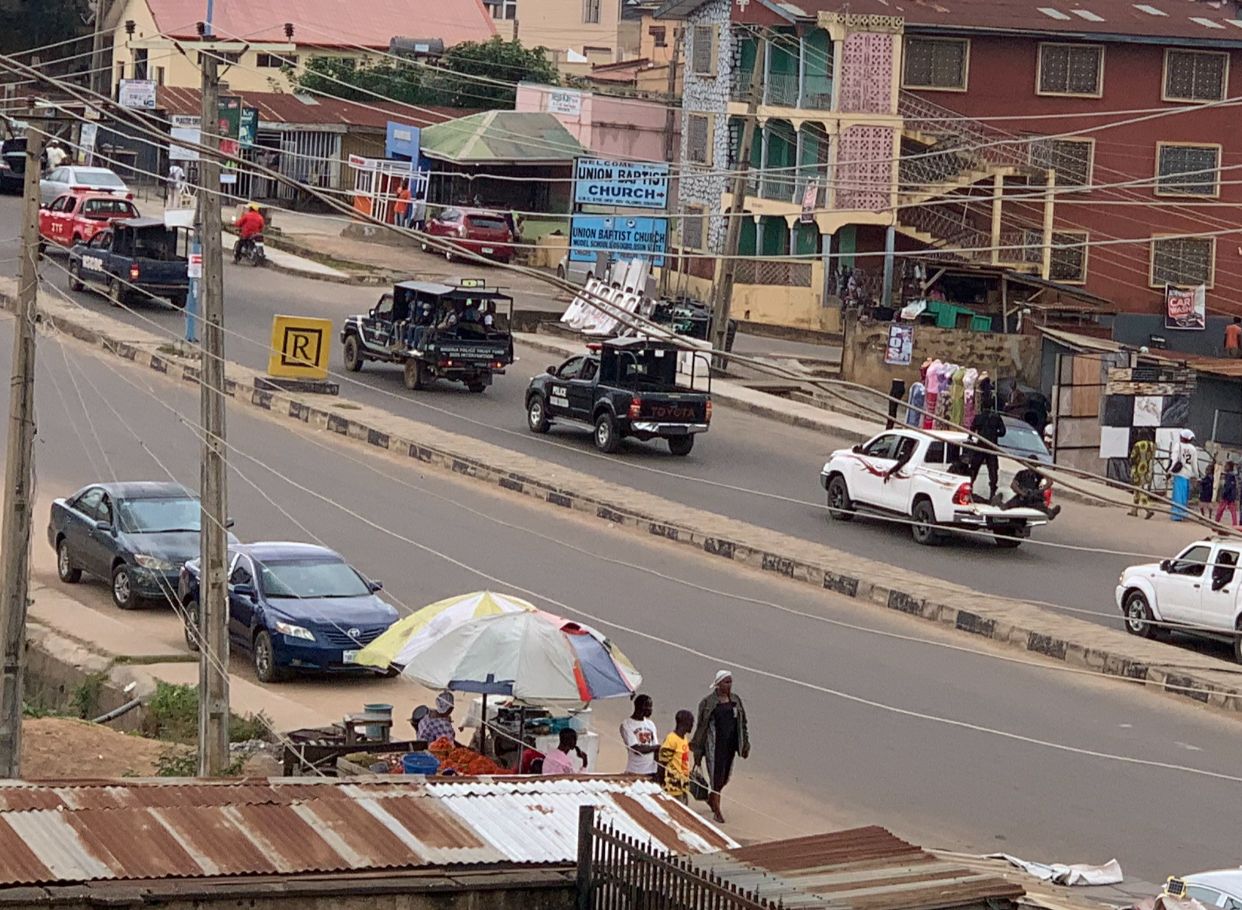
(485, 233)
(75, 218)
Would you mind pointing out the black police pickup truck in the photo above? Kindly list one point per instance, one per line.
(624, 387)
(435, 331)
(138, 258)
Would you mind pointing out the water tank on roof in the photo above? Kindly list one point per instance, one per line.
(416, 47)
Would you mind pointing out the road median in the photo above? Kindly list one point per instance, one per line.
(1012, 623)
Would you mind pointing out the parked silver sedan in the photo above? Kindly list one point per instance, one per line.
(71, 178)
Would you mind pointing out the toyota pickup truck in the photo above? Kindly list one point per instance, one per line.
(907, 473)
(624, 387)
(134, 259)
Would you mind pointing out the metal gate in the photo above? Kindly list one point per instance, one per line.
(312, 158)
(616, 872)
(1077, 396)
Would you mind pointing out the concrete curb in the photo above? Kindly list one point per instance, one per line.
(990, 618)
(294, 249)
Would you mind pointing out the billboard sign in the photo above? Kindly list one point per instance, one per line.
(137, 93)
(1185, 308)
(620, 183)
(183, 128)
(619, 236)
(565, 102)
(248, 126)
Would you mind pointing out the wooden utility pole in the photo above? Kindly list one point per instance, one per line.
(723, 297)
(213, 674)
(670, 131)
(19, 473)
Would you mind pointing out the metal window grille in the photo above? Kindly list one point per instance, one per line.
(1195, 75)
(1070, 157)
(1070, 69)
(1069, 256)
(1182, 260)
(703, 53)
(698, 138)
(590, 11)
(1190, 169)
(935, 63)
(692, 228)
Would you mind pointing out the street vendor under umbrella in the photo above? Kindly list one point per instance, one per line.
(439, 722)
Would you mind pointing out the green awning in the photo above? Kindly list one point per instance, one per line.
(501, 137)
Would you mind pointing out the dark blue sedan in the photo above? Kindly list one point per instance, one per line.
(135, 535)
(293, 606)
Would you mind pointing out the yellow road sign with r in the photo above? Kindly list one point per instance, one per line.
(300, 347)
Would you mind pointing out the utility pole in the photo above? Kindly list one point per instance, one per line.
(670, 129)
(19, 473)
(723, 297)
(213, 672)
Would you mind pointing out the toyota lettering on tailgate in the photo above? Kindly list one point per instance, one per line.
(671, 412)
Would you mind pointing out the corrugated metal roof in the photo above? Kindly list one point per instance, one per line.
(276, 108)
(174, 829)
(859, 869)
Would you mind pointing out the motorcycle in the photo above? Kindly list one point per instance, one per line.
(251, 250)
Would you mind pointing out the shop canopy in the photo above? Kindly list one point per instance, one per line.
(501, 137)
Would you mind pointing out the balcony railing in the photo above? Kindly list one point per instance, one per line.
(777, 272)
(785, 184)
(781, 90)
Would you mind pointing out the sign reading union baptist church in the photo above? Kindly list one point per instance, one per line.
(620, 183)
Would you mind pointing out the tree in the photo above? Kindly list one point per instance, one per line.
(354, 80)
(34, 23)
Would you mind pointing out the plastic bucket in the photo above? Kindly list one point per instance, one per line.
(419, 763)
(375, 732)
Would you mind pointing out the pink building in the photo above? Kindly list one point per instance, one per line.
(621, 128)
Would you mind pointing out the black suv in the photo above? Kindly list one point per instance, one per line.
(13, 165)
(626, 387)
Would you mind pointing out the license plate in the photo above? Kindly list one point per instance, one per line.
(349, 657)
(488, 249)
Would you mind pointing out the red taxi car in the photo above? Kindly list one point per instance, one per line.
(485, 233)
(74, 218)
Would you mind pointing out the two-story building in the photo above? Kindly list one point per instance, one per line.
(1086, 143)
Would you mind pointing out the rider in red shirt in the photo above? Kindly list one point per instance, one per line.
(249, 226)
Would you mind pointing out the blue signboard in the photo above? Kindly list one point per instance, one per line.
(622, 237)
(402, 141)
(620, 183)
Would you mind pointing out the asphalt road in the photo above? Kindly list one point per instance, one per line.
(888, 720)
(747, 467)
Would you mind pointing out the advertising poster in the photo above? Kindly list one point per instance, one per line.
(1185, 308)
(137, 93)
(900, 348)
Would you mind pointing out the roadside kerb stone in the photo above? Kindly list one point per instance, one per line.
(1016, 624)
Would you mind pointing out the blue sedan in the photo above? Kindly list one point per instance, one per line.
(134, 535)
(293, 607)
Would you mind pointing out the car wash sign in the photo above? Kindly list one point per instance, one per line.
(618, 236)
(620, 183)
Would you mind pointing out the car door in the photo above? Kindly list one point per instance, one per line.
(558, 390)
(1179, 587)
(894, 491)
(101, 548)
(52, 219)
(241, 606)
(79, 528)
(582, 390)
(377, 324)
(95, 259)
(1218, 596)
(871, 462)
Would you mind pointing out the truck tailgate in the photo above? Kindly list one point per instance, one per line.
(162, 271)
(1031, 516)
(482, 351)
(673, 408)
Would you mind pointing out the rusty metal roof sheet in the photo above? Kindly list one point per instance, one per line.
(859, 869)
(175, 829)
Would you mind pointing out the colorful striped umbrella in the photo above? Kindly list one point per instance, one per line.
(534, 656)
(406, 636)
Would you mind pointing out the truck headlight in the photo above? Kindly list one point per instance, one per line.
(289, 629)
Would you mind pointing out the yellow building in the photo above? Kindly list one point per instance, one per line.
(576, 33)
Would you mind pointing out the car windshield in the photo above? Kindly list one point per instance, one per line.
(487, 223)
(1023, 438)
(155, 516)
(101, 178)
(103, 209)
(321, 577)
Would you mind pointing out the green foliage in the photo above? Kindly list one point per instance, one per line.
(444, 84)
(175, 762)
(34, 23)
(85, 700)
(172, 714)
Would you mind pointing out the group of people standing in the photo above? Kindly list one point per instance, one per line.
(1215, 489)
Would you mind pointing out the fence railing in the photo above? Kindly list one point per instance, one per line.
(781, 90)
(777, 273)
(617, 872)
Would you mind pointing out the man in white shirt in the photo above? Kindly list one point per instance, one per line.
(1184, 467)
(639, 736)
(55, 155)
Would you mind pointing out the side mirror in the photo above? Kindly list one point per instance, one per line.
(1166, 565)
(228, 522)
(245, 591)
(103, 526)
(371, 312)
(552, 371)
(857, 449)
(375, 586)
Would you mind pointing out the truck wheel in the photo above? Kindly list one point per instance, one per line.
(1237, 641)
(476, 387)
(606, 437)
(681, 445)
(65, 569)
(415, 380)
(840, 506)
(1007, 541)
(189, 626)
(115, 294)
(263, 655)
(353, 360)
(75, 277)
(123, 594)
(178, 302)
(537, 415)
(924, 528)
(1139, 616)
(42, 249)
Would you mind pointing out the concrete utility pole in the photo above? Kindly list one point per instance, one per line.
(670, 130)
(723, 298)
(19, 473)
(213, 673)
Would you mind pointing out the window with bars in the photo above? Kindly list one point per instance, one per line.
(590, 11)
(1195, 75)
(1069, 254)
(1184, 261)
(659, 36)
(1187, 170)
(936, 63)
(1071, 69)
(699, 138)
(1071, 158)
(692, 227)
(703, 50)
(276, 61)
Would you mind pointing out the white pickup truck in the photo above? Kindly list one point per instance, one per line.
(923, 489)
(1197, 592)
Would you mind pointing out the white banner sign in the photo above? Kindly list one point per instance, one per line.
(137, 93)
(566, 102)
(183, 129)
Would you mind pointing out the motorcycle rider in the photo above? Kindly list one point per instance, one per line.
(249, 226)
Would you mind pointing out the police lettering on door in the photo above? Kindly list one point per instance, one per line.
(560, 397)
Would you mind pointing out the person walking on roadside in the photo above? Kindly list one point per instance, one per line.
(988, 426)
(1142, 455)
(1233, 338)
(639, 736)
(720, 733)
(1228, 494)
(673, 759)
(1184, 469)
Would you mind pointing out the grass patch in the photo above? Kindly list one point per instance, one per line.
(85, 700)
(172, 715)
